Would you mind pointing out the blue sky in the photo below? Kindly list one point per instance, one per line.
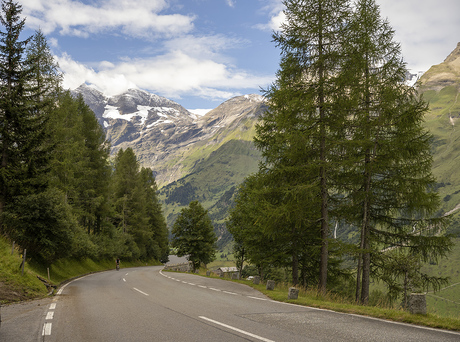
(200, 53)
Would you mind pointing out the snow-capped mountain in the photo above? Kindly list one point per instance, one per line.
(161, 131)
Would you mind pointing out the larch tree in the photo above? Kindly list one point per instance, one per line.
(387, 183)
(301, 133)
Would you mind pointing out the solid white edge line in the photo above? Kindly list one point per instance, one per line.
(313, 308)
(70, 282)
(46, 329)
(236, 329)
(145, 294)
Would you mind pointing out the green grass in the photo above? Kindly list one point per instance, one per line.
(13, 285)
(17, 287)
(446, 302)
(336, 303)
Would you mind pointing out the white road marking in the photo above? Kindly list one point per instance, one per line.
(124, 280)
(192, 284)
(49, 315)
(202, 286)
(62, 288)
(145, 294)
(257, 298)
(236, 329)
(46, 329)
(232, 293)
(212, 288)
(52, 306)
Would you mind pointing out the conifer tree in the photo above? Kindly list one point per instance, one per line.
(301, 133)
(387, 182)
(24, 154)
(193, 235)
(46, 75)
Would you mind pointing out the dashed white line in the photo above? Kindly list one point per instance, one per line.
(232, 293)
(212, 288)
(52, 306)
(202, 286)
(49, 315)
(257, 298)
(236, 329)
(46, 329)
(145, 294)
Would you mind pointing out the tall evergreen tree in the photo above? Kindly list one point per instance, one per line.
(388, 181)
(138, 212)
(24, 155)
(46, 75)
(157, 246)
(300, 134)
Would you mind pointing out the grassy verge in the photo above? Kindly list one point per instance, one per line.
(335, 303)
(15, 286)
(67, 269)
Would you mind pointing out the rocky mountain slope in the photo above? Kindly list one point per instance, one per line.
(193, 158)
(164, 135)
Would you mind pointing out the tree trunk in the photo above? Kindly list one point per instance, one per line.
(323, 179)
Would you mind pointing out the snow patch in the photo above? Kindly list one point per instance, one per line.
(254, 97)
(112, 112)
(199, 112)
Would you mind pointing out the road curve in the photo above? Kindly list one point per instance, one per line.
(147, 304)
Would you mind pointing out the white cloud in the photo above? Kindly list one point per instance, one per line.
(427, 30)
(139, 18)
(274, 8)
(230, 3)
(172, 75)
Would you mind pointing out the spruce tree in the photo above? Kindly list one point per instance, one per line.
(24, 153)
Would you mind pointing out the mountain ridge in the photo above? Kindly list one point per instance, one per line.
(162, 132)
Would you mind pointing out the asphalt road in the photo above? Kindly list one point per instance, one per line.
(146, 304)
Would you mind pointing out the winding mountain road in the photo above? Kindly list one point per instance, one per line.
(147, 304)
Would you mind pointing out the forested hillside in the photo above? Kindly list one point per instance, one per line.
(60, 196)
(213, 182)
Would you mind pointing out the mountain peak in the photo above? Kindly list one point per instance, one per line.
(453, 55)
(444, 74)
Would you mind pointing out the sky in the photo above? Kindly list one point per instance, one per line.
(201, 53)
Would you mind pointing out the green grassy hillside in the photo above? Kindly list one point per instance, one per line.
(213, 182)
(443, 122)
(447, 301)
(14, 285)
